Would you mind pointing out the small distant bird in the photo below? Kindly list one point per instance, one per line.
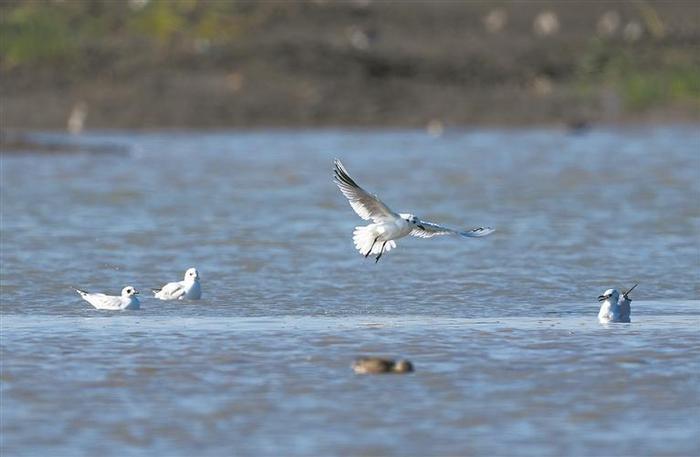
(377, 365)
(127, 300)
(188, 288)
(615, 308)
(76, 119)
(378, 237)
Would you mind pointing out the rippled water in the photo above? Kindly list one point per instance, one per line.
(510, 359)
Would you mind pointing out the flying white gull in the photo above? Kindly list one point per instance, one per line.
(188, 288)
(127, 300)
(378, 237)
(615, 308)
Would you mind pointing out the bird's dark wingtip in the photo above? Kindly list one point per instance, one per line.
(478, 232)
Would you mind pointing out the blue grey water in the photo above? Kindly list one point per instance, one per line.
(510, 359)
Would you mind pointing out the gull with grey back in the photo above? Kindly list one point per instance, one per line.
(189, 288)
(387, 226)
(615, 307)
(127, 300)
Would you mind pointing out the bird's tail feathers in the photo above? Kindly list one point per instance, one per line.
(81, 292)
(364, 238)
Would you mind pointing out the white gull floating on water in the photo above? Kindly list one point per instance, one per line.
(188, 288)
(378, 237)
(615, 307)
(127, 300)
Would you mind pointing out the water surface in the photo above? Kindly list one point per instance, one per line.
(510, 359)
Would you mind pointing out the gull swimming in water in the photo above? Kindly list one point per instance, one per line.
(127, 300)
(378, 237)
(615, 307)
(188, 288)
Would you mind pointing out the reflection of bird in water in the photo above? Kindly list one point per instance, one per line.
(378, 237)
(615, 307)
(378, 365)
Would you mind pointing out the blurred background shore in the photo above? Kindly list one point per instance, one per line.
(141, 64)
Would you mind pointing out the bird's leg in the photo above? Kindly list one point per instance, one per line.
(370, 248)
(380, 253)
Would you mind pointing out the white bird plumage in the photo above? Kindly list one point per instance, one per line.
(615, 307)
(189, 288)
(127, 299)
(387, 226)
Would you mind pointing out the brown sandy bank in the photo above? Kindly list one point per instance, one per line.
(362, 63)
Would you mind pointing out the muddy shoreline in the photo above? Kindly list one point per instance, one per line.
(356, 64)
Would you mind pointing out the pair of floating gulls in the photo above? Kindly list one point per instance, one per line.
(189, 288)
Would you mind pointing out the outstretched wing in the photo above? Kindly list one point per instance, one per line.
(428, 230)
(366, 205)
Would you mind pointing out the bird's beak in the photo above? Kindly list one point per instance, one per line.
(602, 297)
(136, 292)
